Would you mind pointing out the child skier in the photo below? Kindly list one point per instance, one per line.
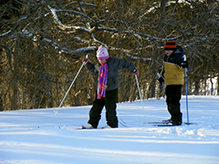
(174, 65)
(107, 90)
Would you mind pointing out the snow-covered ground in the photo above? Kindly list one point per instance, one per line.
(40, 137)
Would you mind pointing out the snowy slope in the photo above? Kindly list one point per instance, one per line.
(40, 137)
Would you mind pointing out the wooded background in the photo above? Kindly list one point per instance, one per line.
(42, 44)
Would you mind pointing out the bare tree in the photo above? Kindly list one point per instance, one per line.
(42, 44)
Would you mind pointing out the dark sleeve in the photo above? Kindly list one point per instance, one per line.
(179, 60)
(91, 68)
(180, 56)
(124, 64)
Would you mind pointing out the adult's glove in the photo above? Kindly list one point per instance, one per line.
(185, 64)
(136, 71)
(85, 61)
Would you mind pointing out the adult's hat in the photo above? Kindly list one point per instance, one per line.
(102, 53)
(170, 45)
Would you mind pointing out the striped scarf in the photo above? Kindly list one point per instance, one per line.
(102, 81)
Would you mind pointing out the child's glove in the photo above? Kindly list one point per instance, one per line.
(185, 64)
(136, 71)
(85, 61)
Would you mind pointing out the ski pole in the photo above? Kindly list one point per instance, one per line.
(186, 97)
(141, 99)
(187, 108)
(56, 112)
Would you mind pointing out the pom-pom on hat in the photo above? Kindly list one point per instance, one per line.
(102, 53)
(170, 45)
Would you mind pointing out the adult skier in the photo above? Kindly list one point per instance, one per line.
(173, 73)
(107, 90)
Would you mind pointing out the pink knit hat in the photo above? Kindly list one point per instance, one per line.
(102, 53)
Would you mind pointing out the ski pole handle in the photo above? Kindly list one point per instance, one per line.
(184, 56)
(158, 75)
(85, 60)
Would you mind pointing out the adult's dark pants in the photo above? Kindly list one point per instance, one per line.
(173, 96)
(110, 105)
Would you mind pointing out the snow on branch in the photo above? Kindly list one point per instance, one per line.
(139, 35)
(136, 58)
(82, 3)
(77, 51)
(5, 33)
(157, 5)
(93, 48)
(54, 11)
